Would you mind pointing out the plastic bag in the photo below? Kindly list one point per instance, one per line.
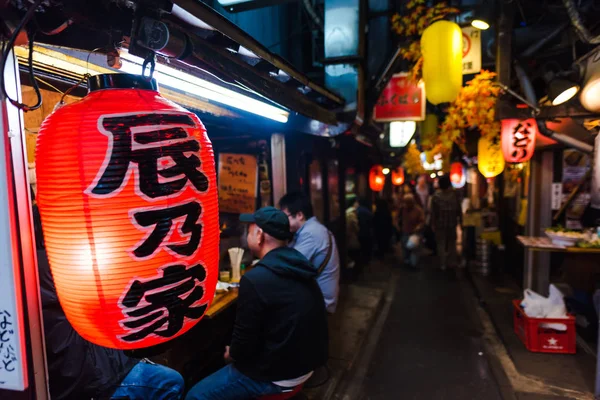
(413, 241)
(538, 306)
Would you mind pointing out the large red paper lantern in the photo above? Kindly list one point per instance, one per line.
(398, 176)
(376, 178)
(128, 199)
(458, 177)
(518, 139)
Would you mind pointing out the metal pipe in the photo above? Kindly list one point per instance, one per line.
(313, 14)
(533, 48)
(564, 139)
(518, 96)
(526, 86)
(581, 30)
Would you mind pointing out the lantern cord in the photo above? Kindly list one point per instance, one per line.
(69, 90)
(6, 51)
(151, 59)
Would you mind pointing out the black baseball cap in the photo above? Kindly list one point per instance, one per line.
(270, 220)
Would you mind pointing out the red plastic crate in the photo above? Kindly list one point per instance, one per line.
(544, 340)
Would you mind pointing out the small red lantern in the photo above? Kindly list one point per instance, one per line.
(518, 139)
(376, 178)
(398, 176)
(128, 199)
(457, 175)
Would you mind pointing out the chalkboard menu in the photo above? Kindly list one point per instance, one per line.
(237, 183)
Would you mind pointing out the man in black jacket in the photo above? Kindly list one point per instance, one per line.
(280, 333)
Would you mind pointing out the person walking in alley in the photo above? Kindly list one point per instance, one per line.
(316, 243)
(413, 221)
(280, 333)
(445, 216)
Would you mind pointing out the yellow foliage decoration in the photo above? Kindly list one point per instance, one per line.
(411, 27)
(475, 106)
(412, 161)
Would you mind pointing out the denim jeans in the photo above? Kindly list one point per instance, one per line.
(150, 381)
(230, 384)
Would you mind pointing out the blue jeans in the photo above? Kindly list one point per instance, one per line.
(230, 384)
(150, 381)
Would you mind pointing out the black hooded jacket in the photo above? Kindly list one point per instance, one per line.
(280, 331)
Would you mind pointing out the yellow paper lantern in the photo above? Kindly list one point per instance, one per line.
(442, 46)
(490, 158)
(429, 130)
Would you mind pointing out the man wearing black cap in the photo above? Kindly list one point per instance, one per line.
(280, 333)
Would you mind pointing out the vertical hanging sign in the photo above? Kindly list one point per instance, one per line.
(471, 50)
(13, 353)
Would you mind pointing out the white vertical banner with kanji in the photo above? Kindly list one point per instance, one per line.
(13, 367)
(471, 50)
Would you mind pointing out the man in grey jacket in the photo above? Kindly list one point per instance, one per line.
(316, 243)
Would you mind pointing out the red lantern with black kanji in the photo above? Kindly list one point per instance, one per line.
(458, 177)
(376, 178)
(127, 195)
(398, 176)
(518, 139)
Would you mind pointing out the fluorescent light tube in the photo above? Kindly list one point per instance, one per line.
(185, 82)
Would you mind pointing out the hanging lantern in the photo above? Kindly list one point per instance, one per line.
(398, 176)
(376, 178)
(489, 155)
(429, 131)
(128, 199)
(442, 47)
(518, 139)
(458, 177)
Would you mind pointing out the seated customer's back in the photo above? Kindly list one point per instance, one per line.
(294, 329)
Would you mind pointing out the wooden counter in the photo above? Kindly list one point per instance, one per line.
(221, 302)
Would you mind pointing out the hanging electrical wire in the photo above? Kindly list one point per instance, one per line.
(6, 52)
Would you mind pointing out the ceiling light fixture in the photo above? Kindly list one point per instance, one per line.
(480, 24)
(561, 90)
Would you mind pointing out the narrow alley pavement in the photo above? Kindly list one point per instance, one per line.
(430, 346)
(429, 339)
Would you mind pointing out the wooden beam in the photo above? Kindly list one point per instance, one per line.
(226, 27)
(221, 59)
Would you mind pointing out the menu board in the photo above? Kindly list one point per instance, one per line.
(237, 183)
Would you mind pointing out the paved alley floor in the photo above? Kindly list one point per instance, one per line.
(430, 344)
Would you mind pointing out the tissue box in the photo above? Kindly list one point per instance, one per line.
(542, 340)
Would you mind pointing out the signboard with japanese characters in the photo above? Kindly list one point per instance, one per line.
(237, 183)
(471, 50)
(128, 201)
(401, 100)
(13, 366)
(518, 139)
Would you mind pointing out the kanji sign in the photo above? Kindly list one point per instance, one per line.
(128, 202)
(471, 50)
(401, 100)
(518, 139)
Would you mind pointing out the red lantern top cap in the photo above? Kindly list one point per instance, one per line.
(121, 81)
